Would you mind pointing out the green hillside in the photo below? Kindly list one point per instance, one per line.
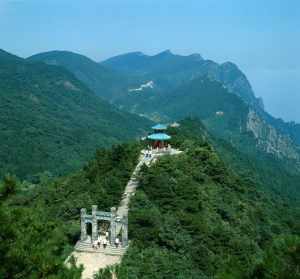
(169, 71)
(174, 96)
(102, 80)
(50, 121)
(271, 175)
(40, 223)
(193, 216)
(114, 79)
(226, 117)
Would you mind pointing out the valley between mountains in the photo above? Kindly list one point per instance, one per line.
(71, 133)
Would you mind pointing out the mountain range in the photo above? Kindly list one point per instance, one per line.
(49, 120)
(120, 97)
(220, 94)
(168, 71)
(171, 69)
(226, 207)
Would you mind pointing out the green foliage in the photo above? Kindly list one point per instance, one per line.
(269, 174)
(40, 223)
(50, 121)
(104, 274)
(8, 186)
(281, 260)
(155, 262)
(193, 217)
(105, 82)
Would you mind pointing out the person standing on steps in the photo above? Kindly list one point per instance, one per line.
(117, 242)
(99, 241)
(104, 243)
(95, 244)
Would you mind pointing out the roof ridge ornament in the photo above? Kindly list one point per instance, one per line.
(160, 126)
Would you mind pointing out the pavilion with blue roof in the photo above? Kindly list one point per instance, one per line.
(159, 137)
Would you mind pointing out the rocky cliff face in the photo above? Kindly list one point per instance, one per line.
(234, 79)
(270, 140)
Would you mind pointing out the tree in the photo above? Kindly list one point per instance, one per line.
(9, 186)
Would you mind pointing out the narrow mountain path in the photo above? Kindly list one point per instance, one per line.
(92, 262)
(131, 186)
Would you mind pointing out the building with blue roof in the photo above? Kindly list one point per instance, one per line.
(159, 127)
(159, 138)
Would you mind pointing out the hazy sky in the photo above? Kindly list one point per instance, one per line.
(261, 36)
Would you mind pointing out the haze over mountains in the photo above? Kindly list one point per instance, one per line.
(84, 87)
(227, 206)
(118, 94)
(167, 72)
(50, 121)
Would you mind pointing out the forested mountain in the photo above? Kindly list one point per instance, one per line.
(139, 83)
(193, 216)
(40, 222)
(50, 121)
(227, 117)
(268, 174)
(104, 81)
(168, 71)
(166, 68)
(168, 87)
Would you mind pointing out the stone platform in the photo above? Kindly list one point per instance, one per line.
(83, 246)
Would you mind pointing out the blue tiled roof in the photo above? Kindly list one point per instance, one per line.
(159, 136)
(159, 127)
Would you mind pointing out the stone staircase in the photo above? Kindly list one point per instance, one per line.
(94, 259)
(82, 246)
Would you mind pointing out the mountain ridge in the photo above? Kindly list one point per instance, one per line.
(58, 120)
(167, 72)
(193, 63)
(103, 81)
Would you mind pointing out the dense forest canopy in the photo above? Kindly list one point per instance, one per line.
(219, 94)
(50, 121)
(268, 173)
(212, 192)
(192, 217)
(40, 222)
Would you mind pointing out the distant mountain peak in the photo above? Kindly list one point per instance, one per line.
(229, 65)
(196, 56)
(134, 53)
(166, 52)
(6, 56)
(139, 53)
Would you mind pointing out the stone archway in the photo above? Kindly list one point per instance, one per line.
(117, 225)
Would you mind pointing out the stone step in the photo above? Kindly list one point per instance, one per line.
(89, 245)
(109, 250)
(106, 251)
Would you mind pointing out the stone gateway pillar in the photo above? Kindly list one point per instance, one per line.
(94, 223)
(113, 225)
(125, 231)
(83, 234)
